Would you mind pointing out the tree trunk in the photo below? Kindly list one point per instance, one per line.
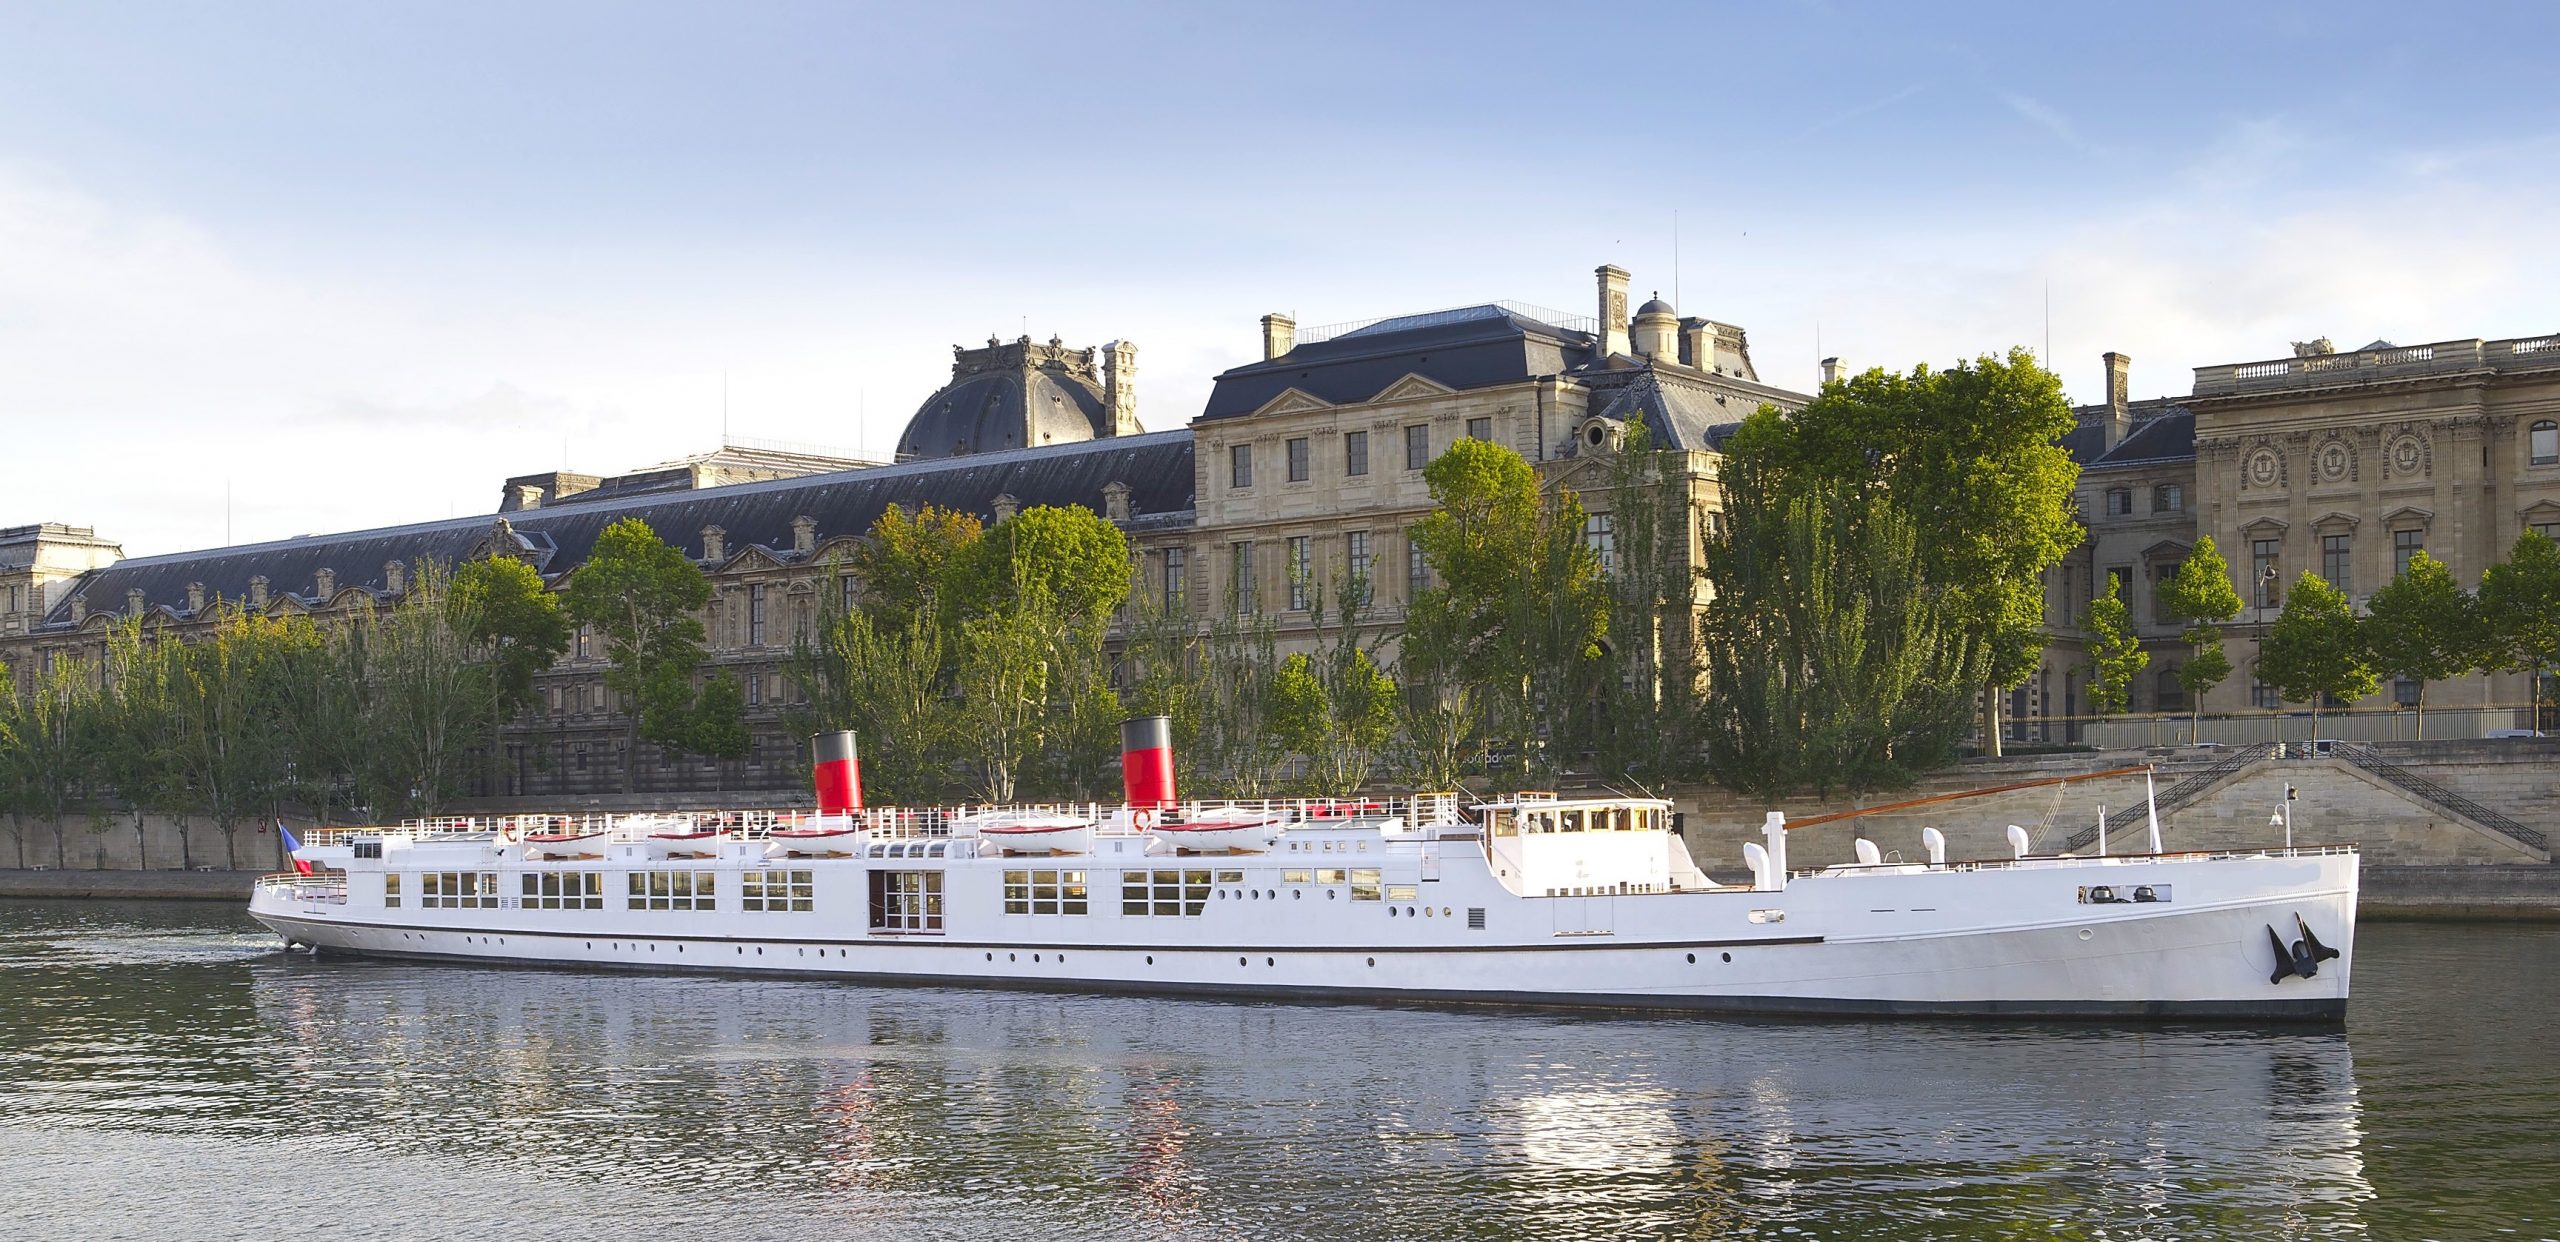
(186, 845)
(2422, 712)
(61, 849)
(1991, 721)
(141, 843)
(230, 844)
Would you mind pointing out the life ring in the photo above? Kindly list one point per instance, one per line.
(1143, 818)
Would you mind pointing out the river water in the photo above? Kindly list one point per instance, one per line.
(167, 1073)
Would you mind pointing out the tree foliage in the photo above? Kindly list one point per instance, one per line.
(2116, 656)
(1972, 456)
(2424, 627)
(2520, 611)
(2317, 648)
(2200, 595)
(1517, 608)
(644, 597)
(902, 559)
(1832, 661)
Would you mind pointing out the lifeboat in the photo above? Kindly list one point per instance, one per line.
(681, 843)
(1223, 830)
(828, 840)
(574, 843)
(1036, 834)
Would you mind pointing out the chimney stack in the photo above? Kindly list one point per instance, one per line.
(258, 592)
(395, 577)
(1120, 388)
(133, 602)
(1115, 501)
(1832, 371)
(804, 534)
(715, 544)
(2119, 402)
(1146, 761)
(1613, 309)
(324, 583)
(1006, 506)
(195, 598)
(838, 772)
(1279, 335)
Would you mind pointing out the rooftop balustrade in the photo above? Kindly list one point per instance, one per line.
(2366, 366)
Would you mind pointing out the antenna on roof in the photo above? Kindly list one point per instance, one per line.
(1675, 257)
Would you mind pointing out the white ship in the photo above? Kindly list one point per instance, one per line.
(1534, 899)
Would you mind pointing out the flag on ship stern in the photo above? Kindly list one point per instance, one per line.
(292, 849)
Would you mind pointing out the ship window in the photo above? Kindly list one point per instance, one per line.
(1364, 884)
(1230, 877)
(1404, 892)
(1163, 893)
(368, 849)
(1044, 892)
(1330, 875)
(1500, 823)
(674, 890)
(564, 890)
(458, 890)
(391, 890)
(1297, 877)
(1572, 821)
(906, 901)
(775, 892)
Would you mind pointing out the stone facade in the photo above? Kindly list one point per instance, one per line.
(39, 565)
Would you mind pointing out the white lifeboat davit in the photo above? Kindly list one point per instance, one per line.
(1034, 833)
(1223, 830)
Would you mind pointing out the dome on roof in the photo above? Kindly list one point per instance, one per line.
(1013, 395)
(1657, 307)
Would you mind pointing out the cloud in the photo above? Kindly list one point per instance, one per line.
(2044, 117)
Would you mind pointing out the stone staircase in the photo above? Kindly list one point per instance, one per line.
(2401, 778)
(2189, 788)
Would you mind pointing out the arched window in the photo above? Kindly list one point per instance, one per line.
(2170, 696)
(2544, 443)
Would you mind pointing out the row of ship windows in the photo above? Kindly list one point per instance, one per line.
(758, 891)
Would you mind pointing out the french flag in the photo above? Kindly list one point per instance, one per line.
(292, 849)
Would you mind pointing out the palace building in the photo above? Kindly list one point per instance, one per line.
(1304, 467)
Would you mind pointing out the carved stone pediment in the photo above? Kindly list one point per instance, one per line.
(1292, 401)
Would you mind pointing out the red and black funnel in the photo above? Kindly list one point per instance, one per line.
(839, 772)
(1146, 761)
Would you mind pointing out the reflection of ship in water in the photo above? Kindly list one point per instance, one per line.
(1151, 1117)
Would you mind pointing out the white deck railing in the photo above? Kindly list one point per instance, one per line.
(1106, 819)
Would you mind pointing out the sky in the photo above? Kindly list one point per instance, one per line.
(278, 268)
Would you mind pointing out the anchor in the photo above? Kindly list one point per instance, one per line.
(2303, 959)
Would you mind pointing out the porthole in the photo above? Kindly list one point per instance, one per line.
(1242, 962)
(1298, 894)
(742, 950)
(1011, 958)
(2085, 933)
(1151, 959)
(591, 944)
(1728, 957)
(1329, 894)
(1426, 912)
(1693, 959)
(1035, 957)
(1271, 894)
(991, 957)
(1271, 961)
(1373, 962)
(1444, 912)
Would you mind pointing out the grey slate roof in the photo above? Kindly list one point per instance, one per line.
(998, 410)
(1157, 469)
(2163, 430)
(1681, 409)
(1472, 347)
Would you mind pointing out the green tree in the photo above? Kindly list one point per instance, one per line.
(225, 703)
(1972, 455)
(2520, 610)
(1237, 751)
(441, 673)
(902, 561)
(644, 597)
(2200, 595)
(1069, 559)
(1650, 732)
(1517, 609)
(1831, 661)
(1003, 678)
(52, 757)
(2424, 627)
(131, 745)
(2116, 656)
(886, 678)
(2317, 648)
(717, 729)
(502, 604)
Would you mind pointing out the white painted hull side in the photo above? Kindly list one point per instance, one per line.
(2002, 942)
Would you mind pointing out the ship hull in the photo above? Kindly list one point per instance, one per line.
(2019, 942)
